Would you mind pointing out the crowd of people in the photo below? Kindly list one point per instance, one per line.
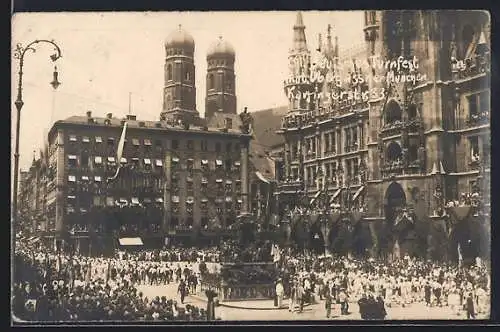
(375, 285)
(52, 286)
(57, 287)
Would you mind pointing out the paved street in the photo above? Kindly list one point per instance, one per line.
(313, 312)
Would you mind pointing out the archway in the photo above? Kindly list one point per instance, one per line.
(395, 200)
(316, 239)
(340, 237)
(361, 240)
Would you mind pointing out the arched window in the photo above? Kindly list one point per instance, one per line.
(211, 83)
(394, 151)
(169, 72)
(392, 112)
(412, 112)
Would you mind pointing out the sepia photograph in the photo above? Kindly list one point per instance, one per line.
(250, 166)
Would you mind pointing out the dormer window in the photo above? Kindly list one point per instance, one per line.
(72, 138)
(98, 139)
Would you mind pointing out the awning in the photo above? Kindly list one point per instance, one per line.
(237, 163)
(240, 200)
(85, 139)
(159, 200)
(229, 182)
(135, 159)
(218, 180)
(82, 210)
(98, 160)
(123, 200)
(135, 200)
(71, 197)
(147, 200)
(335, 195)
(158, 162)
(97, 178)
(98, 139)
(204, 180)
(111, 159)
(218, 162)
(204, 200)
(229, 199)
(135, 141)
(237, 180)
(147, 142)
(189, 179)
(218, 200)
(261, 177)
(85, 178)
(131, 241)
(190, 160)
(175, 159)
(72, 138)
(190, 200)
(71, 178)
(71, 157)
(123, 160)
(147, 161)
(204, 162)
(70, 209)
(175, 199)
(357, 193)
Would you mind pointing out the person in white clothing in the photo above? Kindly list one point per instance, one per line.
(279, 292)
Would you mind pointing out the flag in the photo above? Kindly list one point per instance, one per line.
(108, 271)
(89, 273)
(119, 153)
(460, 257)
(276, 253)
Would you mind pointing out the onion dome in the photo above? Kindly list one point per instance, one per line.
(180, 39)
(220, 49)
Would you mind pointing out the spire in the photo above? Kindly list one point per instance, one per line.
(299, 36)
(329, 46)
(336, 52)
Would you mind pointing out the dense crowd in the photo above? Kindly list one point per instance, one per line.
(57, 287)
(402, 283)
(53, 286)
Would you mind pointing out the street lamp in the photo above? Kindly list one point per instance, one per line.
(19, 53)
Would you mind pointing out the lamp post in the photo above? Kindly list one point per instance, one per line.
(19, 54)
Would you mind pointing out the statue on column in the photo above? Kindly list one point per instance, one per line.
(438, 201)
(246, 122)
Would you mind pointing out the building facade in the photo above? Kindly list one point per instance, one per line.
(171, 180)
(403, 150)
(178, 177)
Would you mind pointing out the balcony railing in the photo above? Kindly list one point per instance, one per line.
(479, 119)
(290, 186)
(391, 168)
(478, 64)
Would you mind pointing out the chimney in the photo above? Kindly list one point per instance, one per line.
(89, 114)
(228, 123)
(109, 115)
(131, 117)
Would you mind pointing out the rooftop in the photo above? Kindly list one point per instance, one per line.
(141, 124)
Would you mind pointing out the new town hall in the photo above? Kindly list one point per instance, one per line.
(383, 151)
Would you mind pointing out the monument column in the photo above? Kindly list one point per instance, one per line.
(244, 176)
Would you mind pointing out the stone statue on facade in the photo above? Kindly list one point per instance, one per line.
(246, 122)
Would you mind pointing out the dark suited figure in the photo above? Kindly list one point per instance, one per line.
(381, 312)
(182, 290)
(363, 302)
(328, 304)
(470, 307)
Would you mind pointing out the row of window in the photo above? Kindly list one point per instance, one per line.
(176, 144)
(351, 170)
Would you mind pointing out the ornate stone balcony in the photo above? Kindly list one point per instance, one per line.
(476, 65)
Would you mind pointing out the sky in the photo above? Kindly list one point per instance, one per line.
(106, 56)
